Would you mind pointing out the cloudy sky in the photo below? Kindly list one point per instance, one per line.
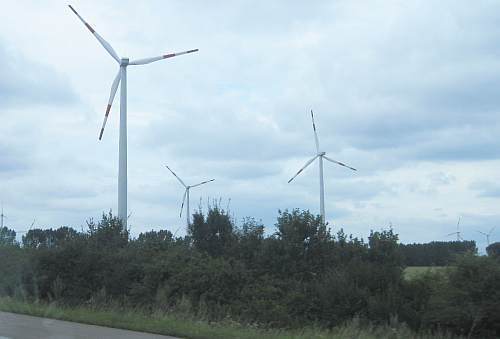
(405, 91)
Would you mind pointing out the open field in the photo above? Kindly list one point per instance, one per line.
(168, 324)
(411, 272)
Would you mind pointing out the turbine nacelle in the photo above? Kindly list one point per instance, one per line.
(321, 154)
(124, 62)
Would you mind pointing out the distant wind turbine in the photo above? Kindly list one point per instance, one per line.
(459, 237)
(185, 198)
(122, 77)
(320, 155)
(2, 216)
(487, 235)
(29, 229)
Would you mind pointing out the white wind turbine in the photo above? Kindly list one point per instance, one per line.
(185, 198)
(122, 77)
(2, 216)
(459, 237)
(487, 235)
(320, 155)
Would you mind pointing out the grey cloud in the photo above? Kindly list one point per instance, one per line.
(26, 82)
(486, 189)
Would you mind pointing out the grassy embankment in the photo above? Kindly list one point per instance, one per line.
(169, 324)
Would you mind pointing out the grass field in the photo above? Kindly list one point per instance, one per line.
(411, 272)
(168, 324)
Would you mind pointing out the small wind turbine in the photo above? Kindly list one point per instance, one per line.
(31, 227)
(122, 77)
(459, 237)
(185, 198)
(2, 216)
(320, 155)
(487, 235)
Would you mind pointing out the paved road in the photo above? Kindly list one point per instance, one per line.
(17, 326)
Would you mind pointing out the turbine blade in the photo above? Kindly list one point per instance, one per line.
(451, 234)
(99, 38)
(175, 175)
(203, 182)
(339, 163)
(482, 233)
(315, 133)
(303, 167)
(114, 88)
(183, 200)
(161, 57)
(491, 231)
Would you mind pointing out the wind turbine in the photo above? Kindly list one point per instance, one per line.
(122, 77)
(29, 229)
(2, 216)
(487, 235)
(320, 155)
(459, 237)
(185, 198)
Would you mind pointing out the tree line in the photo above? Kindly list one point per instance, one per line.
(300, 275)
(435, 253)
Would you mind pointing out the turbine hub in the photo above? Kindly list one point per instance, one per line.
(124, 61)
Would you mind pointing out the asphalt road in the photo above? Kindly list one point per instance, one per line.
(17, 326)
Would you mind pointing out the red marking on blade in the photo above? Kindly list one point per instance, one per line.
(168, 55)
(90, 28)
(100, 135)
(193, 50)
(108, 109)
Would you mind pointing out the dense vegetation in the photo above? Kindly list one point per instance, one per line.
(435, 253)
(302, 275)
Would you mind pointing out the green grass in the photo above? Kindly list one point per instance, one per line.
(412, 272)
(169, 324)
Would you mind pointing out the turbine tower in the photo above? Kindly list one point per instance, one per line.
(185, 198)
(459, 237)
(2, 216)
(121, 77)
(487, 235)
(320, 155)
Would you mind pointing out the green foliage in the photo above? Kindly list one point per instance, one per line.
(213, 234)
(7, 237)
(38, 238)
(467, 300)
(298, 276)
(168, 323)
(13, 260)
(493, 250)
(109, 232)
(435, 253)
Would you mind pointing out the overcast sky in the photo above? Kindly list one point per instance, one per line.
(405, 91)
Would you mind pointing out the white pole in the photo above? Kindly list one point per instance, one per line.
(122, 169)
(321, 190)
(187, 207)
